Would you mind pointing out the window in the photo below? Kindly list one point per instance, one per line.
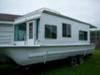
(37, 28)
(66, 30)
(30, 30)
(50, 31)
(83, 35)
(20, 32)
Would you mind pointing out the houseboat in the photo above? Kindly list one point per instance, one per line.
(43, 35)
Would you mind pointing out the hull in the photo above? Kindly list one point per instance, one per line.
(43, 54)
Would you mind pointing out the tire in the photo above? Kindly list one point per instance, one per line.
(80, 59)
(73, 61)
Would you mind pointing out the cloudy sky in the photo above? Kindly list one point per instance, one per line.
(84, 10)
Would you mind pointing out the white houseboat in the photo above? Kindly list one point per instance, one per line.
(43, 35)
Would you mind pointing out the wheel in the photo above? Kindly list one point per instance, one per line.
(73, 61)
(80, 59)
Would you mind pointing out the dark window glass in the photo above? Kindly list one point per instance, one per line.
(66, 30)
(30, 30)
(83, 35)
(50, 31)
(37, 28)
(20, 32)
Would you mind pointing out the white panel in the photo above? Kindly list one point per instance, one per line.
(55, 20)
(6, 31)
(32, 55)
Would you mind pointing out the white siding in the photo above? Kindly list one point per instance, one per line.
(55, 20)
(6, 32)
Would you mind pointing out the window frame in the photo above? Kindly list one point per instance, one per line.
(30, 30)
(17, 29)
(83, 37)
(50, 36)
(66, 30)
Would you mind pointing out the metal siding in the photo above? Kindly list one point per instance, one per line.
(54, 20)
(6, 31)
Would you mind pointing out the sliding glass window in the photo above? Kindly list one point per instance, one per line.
(83, 35)
(50, 31)
(20, 32)
(66, 30)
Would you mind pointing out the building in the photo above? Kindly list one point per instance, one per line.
(43, 35)
(6, 28)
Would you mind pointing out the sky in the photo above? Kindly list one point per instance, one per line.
(84, 10)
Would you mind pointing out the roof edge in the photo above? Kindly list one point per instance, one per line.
(6, 22)
(60, 15)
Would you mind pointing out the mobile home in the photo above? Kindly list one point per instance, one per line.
(44, 35)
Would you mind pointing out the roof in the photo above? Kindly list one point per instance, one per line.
(95, 29)
(53, 12)
(8, 17)
(63, 16)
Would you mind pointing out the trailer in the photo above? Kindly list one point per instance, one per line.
(44, 35)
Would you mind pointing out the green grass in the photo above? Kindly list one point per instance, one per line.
(5, 67)
(91, 66)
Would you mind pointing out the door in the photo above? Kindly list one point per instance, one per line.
(30, 33)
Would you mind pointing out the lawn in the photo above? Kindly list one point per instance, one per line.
(91, 66)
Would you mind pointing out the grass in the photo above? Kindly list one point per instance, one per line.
(91, 66)
(6, 67)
